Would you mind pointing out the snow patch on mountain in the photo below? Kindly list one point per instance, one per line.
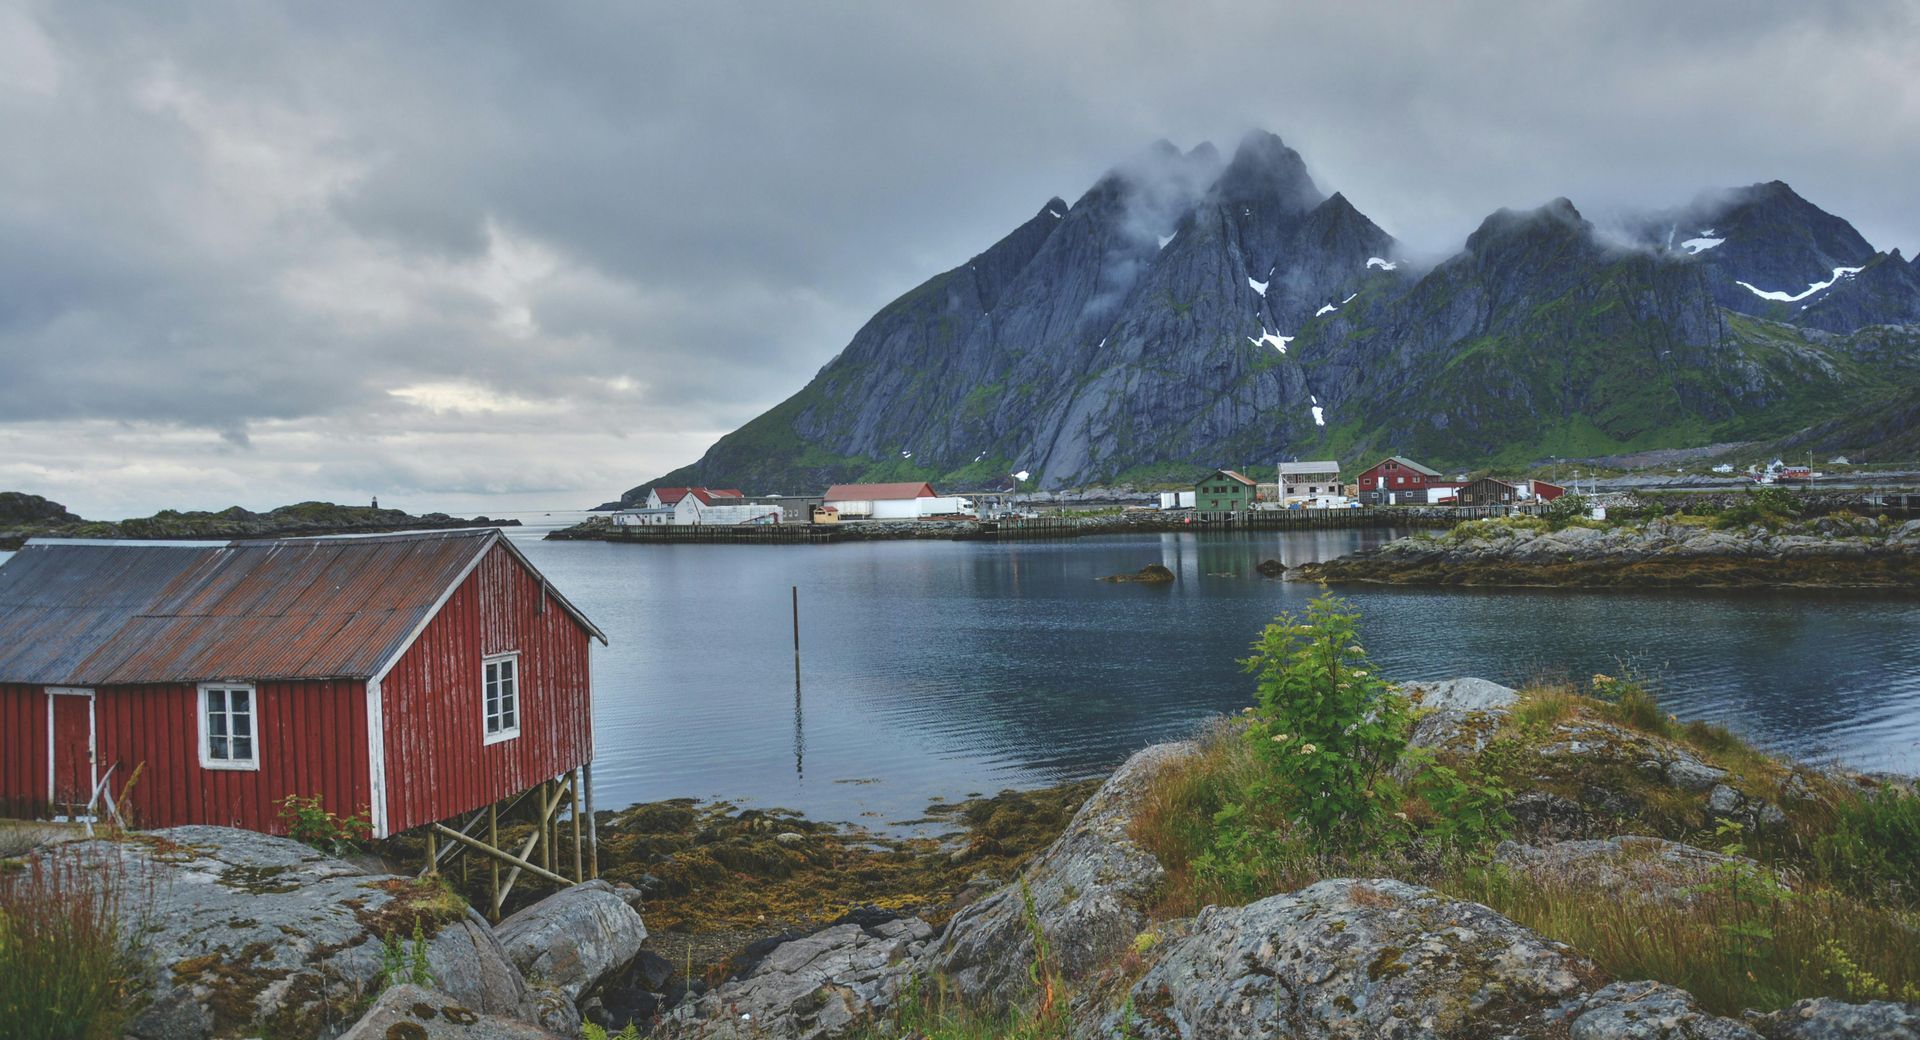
(1384, 265)
(1319, 416)
(1696, 246)
(1259, 287)
(1272, 339)
(1326, 309)
(1785, 297)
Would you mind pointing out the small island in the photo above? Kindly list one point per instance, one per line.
(1756, 541)
(24, 516)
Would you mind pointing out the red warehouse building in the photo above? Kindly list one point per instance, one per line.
(414, 677)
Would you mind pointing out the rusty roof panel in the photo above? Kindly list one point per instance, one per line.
(112, 613)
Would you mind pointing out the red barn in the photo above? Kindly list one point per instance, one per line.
(415, 677)
(1398, 480)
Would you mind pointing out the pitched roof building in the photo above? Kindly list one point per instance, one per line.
(411, 676)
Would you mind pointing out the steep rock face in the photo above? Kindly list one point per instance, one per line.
(1767, 237)
(1183, 315)
(1885, 292)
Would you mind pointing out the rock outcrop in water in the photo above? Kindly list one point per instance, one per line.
(1831, 552)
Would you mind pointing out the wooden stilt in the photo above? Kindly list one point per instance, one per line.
(493, 865)
(593, 826)
(549, 799)
(573, 811)
(433, 853)
(517, 862)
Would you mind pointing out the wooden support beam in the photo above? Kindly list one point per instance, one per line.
(573, 811)
(593, 826)
(433, 851)
(486, 850)
(493, 865)
(513, 875)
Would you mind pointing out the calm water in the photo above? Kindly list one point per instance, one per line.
(933, 670)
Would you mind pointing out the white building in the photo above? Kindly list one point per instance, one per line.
(1311, 485)
(686, 507)
(1176, 499)
(901, 501)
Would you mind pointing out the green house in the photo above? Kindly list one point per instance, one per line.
(1224, 491)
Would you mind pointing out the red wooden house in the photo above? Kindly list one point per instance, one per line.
(1398, 480)
(415, 677)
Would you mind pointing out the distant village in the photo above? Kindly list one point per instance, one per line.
(1222, 494)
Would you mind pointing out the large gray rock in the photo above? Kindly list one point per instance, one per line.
(1091, 889)
(1355, 960)
(575, 939)
(1465, 694)
(1828, 1019)
(1347, 958)
(1650, 1011)
(823, 986)
(253, 935)
(1456, 717)
(1623, 867)
(409, 1012)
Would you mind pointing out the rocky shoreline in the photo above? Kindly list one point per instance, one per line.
(252, 935)
(1832, 552)
(1067, 525)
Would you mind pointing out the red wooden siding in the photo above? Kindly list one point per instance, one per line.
(437, 763)
(311, 736)
(23, 750)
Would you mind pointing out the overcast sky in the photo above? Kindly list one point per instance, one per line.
(479, 257)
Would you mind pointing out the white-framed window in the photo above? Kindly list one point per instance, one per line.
(500, 697)
(229, 726)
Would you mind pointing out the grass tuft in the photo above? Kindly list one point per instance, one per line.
(69, 969)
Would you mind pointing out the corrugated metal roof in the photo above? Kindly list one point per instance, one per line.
(879, 492)
(128, 612)
(1291, 468)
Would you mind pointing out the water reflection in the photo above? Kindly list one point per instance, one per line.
(937, 669)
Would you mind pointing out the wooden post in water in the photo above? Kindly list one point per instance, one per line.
(799, 739)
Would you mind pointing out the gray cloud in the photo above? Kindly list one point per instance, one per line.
(252, 252)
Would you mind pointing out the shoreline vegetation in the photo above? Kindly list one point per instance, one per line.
(30, 516)
(1758, 540)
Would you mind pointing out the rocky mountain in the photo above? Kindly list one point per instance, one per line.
(1186, 313)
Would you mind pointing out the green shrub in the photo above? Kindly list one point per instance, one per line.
(1328, 727)
(72, 960)
(309, 822)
